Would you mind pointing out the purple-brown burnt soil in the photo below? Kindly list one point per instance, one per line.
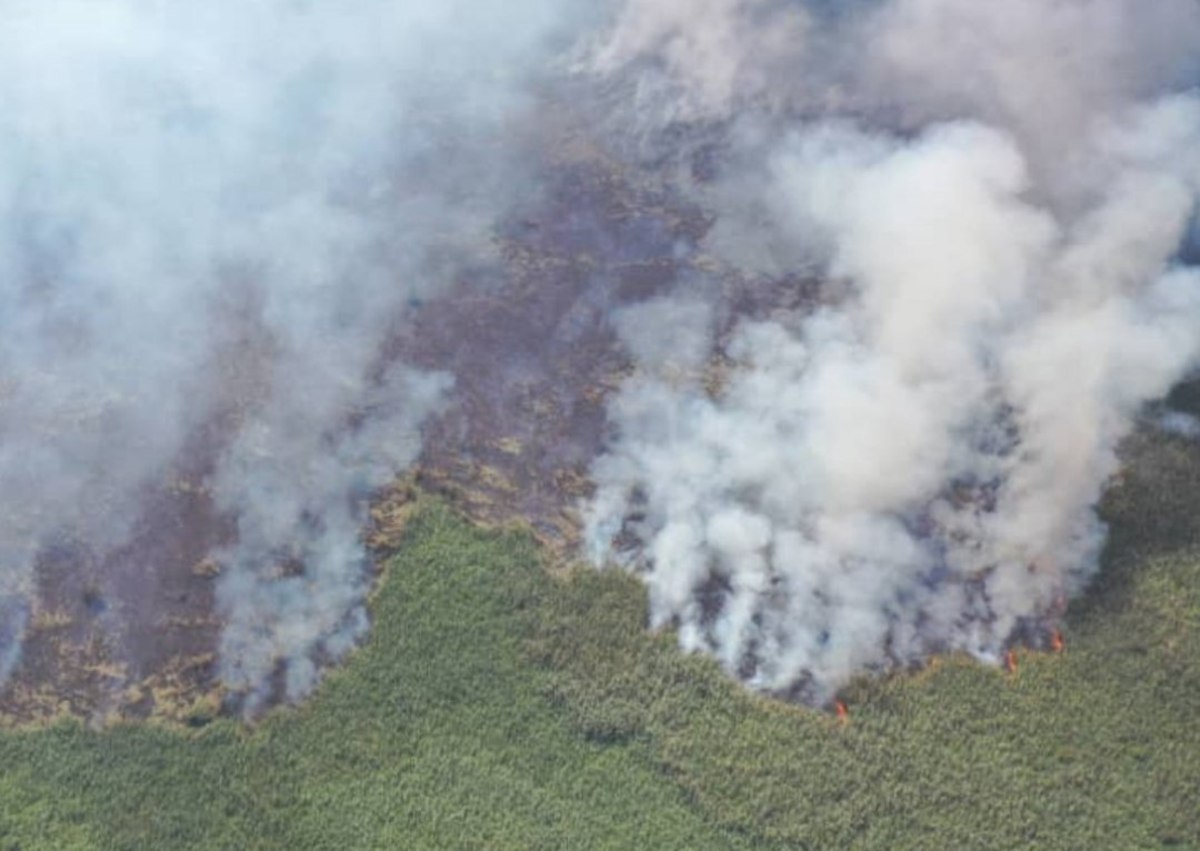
(134, 633)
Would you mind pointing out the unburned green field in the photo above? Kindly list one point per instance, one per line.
(498, 706)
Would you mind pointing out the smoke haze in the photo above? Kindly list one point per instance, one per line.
(213, 217)
(995, 196)
(869, 292)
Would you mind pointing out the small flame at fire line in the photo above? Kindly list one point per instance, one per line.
(843, 714)
(1010, 661)
(1056, 641)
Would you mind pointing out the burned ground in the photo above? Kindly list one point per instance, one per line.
(134, 633)
(526, 335)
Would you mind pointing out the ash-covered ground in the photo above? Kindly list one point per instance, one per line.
(528, 335)
(135, 632)
(827, 322)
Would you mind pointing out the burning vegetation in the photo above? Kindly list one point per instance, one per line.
(827, 327)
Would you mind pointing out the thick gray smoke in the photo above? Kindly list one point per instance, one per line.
(220, 224)
(213, 216)
(995, 195)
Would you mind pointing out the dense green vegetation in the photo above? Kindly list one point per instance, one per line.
(498, 705)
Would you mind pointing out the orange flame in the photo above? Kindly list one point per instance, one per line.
(843, 714)
(1056, 641)
(1010, 661)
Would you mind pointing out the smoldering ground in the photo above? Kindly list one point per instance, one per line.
(774, 301)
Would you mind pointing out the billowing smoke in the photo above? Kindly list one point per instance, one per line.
(213, 216)
(907, 270)
(994, 199)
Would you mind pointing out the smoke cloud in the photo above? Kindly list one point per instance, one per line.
(213, 217)
(907, 272)
(996, 197)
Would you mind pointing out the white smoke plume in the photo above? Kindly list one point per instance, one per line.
(996, 196)
(1027, 63)
(708, 55)
(1180, 424)
(213, 215)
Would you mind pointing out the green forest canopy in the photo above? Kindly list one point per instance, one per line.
(500, 705)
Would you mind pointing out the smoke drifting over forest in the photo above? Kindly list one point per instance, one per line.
(960, 227)
(214, 215)
(994, 196)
